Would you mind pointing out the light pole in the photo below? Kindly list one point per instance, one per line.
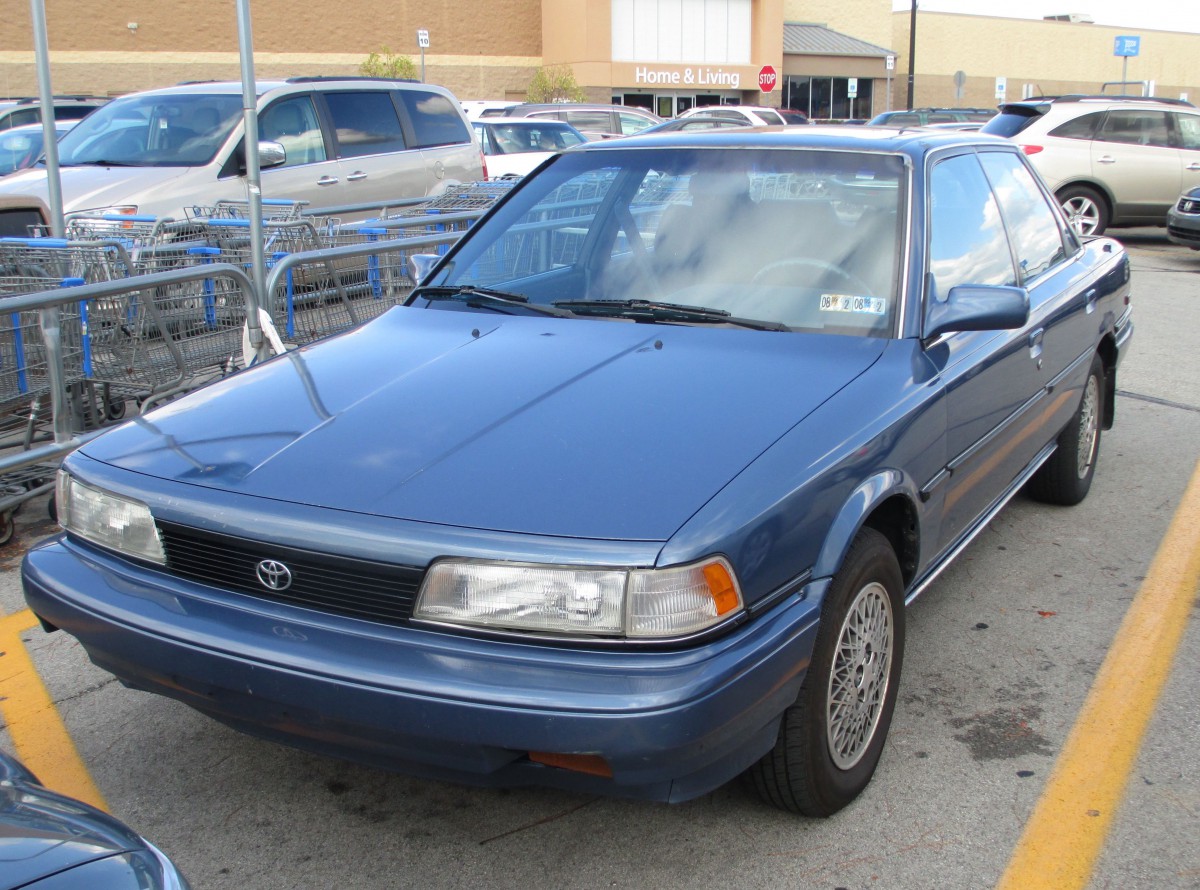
(912, 51)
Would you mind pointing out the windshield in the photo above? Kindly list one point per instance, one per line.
(799, 239)
(152, 131)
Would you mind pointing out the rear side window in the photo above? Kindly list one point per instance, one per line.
(596, 121)
(1082, 127)
(72, 112)
(434, 118)
(365, 123)
(1012, 119)
(22, 117)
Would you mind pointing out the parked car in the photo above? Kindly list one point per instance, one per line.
(750, 115)
(920, 117)
(21, 147)
(49, 841)
(325, 141)
(594, 121)
(1183, 219)
(630, 496)
(475, 108)
(1112, 161)
(28, 110)
(694, 124)
(514, 147)
(792, 116)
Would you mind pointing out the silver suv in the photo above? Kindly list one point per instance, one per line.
(28, 110)
(326, 141)
(1111, 161)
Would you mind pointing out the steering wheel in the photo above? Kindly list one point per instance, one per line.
(856, 284)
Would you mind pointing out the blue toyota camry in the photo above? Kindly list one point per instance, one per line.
(631, 495)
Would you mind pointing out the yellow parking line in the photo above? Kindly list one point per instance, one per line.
(1065, 834)
(38, 732)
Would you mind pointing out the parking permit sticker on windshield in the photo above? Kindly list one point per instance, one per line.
(853, 303)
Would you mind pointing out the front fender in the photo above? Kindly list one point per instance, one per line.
(863, 501)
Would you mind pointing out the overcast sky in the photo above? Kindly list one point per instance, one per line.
(1158, 15)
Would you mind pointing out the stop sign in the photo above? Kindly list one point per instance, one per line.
(767, 78)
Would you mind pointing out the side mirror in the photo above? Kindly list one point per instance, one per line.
(271, 154)
(978, 307)
(422, 264)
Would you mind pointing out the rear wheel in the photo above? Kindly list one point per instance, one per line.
(1066, 477)
(831, 739)
(1085, 208)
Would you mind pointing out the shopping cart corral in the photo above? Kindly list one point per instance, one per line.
(55, 341)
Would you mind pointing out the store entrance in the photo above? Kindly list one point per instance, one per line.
(668, 105)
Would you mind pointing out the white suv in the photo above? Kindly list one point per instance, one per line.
(325, 141)
(1111, 161)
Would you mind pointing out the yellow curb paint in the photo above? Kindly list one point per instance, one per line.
(1065, 835)
(38, 732)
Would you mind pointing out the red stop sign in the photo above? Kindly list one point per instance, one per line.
(767, 78)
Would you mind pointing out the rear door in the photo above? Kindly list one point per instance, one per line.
(375, 161)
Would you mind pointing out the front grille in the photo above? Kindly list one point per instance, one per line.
(1189, 205)
(339, 585)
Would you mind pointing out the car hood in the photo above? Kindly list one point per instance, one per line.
(93, 187)
(43, 833)
(580, 428)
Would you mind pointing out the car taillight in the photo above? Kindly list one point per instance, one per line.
(1031, 149)
(483, 163)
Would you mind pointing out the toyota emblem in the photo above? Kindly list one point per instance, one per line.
(274, 575)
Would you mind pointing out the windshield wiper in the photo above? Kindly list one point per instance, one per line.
(488, 298)
(653, 311)
(100, 163)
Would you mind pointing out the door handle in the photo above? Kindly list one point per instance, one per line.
(1035, 345)
(327, 180)
(356, 176)
(1106, 159)
(1090, 297)
(1194, 165)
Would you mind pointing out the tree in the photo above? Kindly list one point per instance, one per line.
(386, 63)
(554, 84)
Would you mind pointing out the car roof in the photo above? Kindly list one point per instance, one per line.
(521, 122)
(228, 87)
(914, 141)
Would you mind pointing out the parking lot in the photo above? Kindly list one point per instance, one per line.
(1002, 651)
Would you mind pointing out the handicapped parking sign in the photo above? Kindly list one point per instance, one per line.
(1127, 46)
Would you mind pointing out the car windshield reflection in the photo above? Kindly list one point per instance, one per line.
(153, 131)
(805, 240)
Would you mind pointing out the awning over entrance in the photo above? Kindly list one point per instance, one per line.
(817, 40)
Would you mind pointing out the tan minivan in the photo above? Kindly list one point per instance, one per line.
(328, 142)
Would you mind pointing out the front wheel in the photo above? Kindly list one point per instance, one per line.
(831, 739)
(1066, 476)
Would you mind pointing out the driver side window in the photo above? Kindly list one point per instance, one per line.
(967, 240)
(293, 123)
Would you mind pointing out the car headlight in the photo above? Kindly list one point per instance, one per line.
(637, 603)
(108, 520)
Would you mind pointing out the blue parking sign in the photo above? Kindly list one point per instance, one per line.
(1127, 46)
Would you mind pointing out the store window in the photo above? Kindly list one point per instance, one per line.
(828, 98)
(710, 31)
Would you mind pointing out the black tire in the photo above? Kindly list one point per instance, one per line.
(1066, 477)
(816, 768)
(1086, 209)
(7, 526)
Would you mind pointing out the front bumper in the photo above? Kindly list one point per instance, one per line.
(671, 725)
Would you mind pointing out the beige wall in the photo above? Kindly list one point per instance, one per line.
(188, 40)
(868, 20)
(1056, 57)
